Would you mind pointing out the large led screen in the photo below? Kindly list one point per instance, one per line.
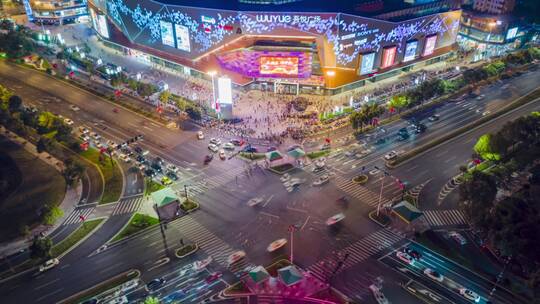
(182, 38)
(366, 65)
(511, 33)
(430, 45)
(388, 57)
(278, 66)
(224, 90)
(167, 35)
(410, 51)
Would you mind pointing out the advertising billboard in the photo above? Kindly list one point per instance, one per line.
(410, 51)
(511, 33)
(278, 65)
(430, 45)
(224, 90)
(167, 35)
(366, 65)
(182, 38)
(388, 57)
(102, 26)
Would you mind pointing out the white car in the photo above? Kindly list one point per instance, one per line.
(236, 256)
(85, 137)
(213, 148)
(172, 168)
(228, 146)
(200, 135)
(321, 180)
(390, 155)
(74, 108)
(275, 245)
(84, 130)
(469, 295)
(68, 121)
(379, 296)
(95, 136)
(48, 265)
(405, 257)
(460, 239)
(215, 141)
(335, 219)
(222, 154)
(200, 265)
(254, 201)
(130, 285)
(434, 275)
(119, 300)
(124, 157)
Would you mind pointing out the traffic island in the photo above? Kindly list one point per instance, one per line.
(76, 237)
(186, 250)
(110, 171)
(317, 154)
(136, 224)
(360, 179)
(381, 219)
(252, 156)
(188, 205)
(151, 186)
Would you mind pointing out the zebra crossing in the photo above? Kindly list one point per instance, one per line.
(128, 205)
(357, 252)
(362, 193)
(444, 217)
(210, 243)
(223, 178)
(75, 216)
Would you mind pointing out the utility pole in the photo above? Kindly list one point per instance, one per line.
(161, 228)
(185, 192)
(382, 185)
(291, 231)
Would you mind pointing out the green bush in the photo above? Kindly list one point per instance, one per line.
(52, 215)
(188, 205)
(360, 179)
(317, 154)
(137, 223)
(282, 168)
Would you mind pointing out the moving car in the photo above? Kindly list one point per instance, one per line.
(150, 173)
(68, 121)
(208, 158)
(433, 118)
(228, 146)
(201, 265)
(250, 149)
(222, 154)
(172, 168)
(469, 295)
(379, 296)
(155, 284)
(172, 176)
(390, 155)
(270, 149)
(213, 148)
(200, 135)
(321, 180)
(275, 245)
(74, 108)
(460, 239)
(119, 300)
(95, 136)
(413, 253)
(213, 277)
(335, 219)
(254, 201)
(434, 275)
(420, 128)
(165, 181)
(48, 265)
(236, 256)
(237, 142)
(84, 130)
(215, 141)
(405, 257)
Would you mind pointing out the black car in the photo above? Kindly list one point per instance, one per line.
(420, 128)
(149, 172)
(156, 167)
(158, 161)
(138, 150)
(250, 150)
(140, 159)
(208, 158)
(172, 176)
(155, 284)
(403, 131)
(381, 141)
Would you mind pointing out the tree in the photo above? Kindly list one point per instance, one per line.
(398, 102)
(5, 94)
(14, 103)
(181, 104)
(73, 171)
(41, 248)
(194, 113)
(15, 44)
(484, 148)
(44, 144)
(151, 300)
(476, 197)
(52, 214)
(63, 132)
(46, 121)
(164, 96)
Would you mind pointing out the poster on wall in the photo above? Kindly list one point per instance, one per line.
(366, 65)
(430, 45)
(388, 57)
(182, 38)
(167, 35)
(410, 51)
(278, 65)
(225, 90)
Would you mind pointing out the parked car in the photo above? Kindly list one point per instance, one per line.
(119, 300)
(213, 148)
(420, 128)
(213, 277)
(124, 158)
(48, 265)
(172, 168)
(165, 181)
(68, 121)
(250, 149)
(150, 173)
(172, 176)
(215, 141)
(208, 158)
(228, 146)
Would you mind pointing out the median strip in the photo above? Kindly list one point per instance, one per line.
(76, 237)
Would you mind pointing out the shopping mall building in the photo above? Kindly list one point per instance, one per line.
(292, 46)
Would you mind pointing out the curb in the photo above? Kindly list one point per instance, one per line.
(104, 219)
(370, 215)
(125, 239)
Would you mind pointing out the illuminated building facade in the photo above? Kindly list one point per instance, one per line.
(328, 51)
(56, 11)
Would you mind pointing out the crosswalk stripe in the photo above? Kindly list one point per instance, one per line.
(73, 217)
(444, 217)
(361, 193)
(128, 205)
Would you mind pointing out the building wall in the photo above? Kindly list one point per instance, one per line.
(57, 10)
(494, 6)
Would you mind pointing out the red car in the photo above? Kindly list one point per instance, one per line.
(213, 277)
(208, 158)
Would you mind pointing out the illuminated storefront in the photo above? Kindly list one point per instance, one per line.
(57, 11)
